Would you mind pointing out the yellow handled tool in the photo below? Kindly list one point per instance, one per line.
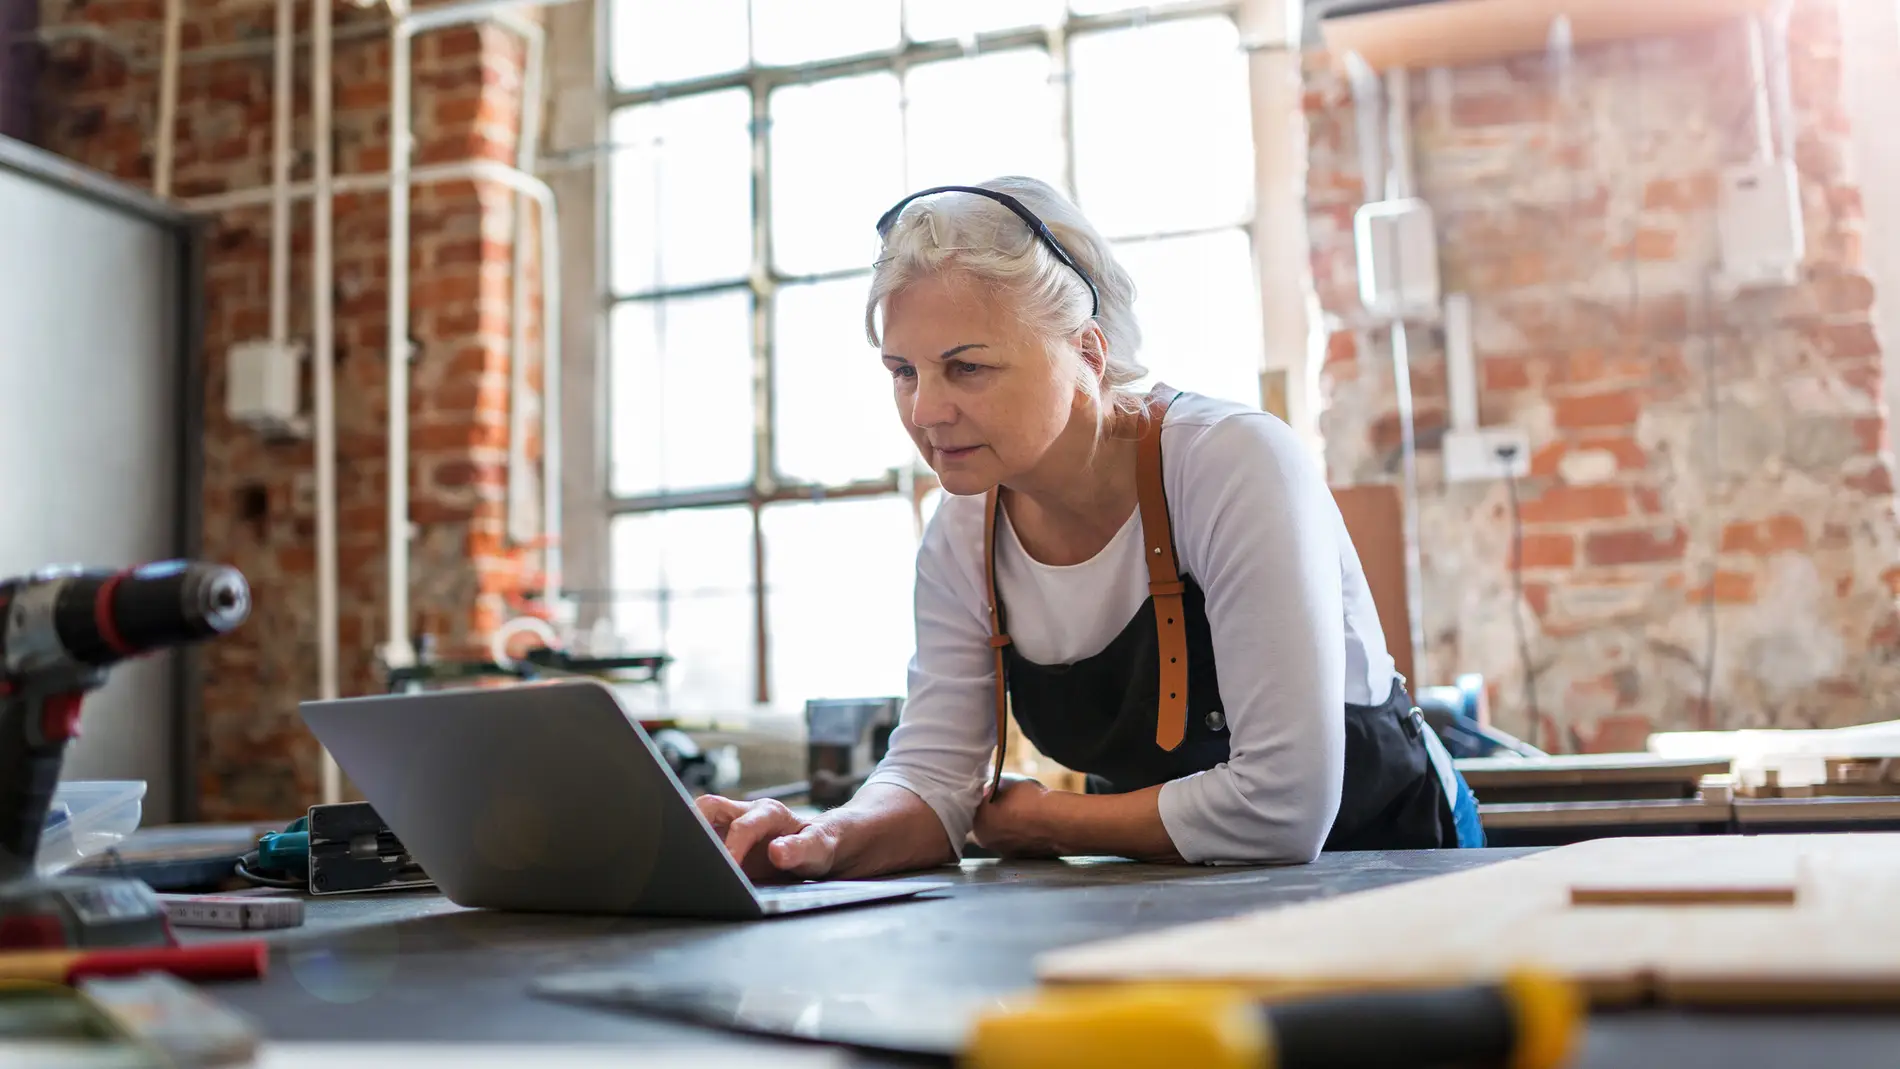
(1527, 1021)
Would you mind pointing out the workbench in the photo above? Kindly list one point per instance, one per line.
(412, 966)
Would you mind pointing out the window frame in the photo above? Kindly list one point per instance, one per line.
(763, 282)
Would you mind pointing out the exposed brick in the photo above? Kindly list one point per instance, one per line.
(1842, 294)
(1620, 734)
(1498, 108)
(1572, 504)
(1777, 534)
(257, 762)
(1548, 550)
(1638, 545)
(1876, 480)
(1871, 431)
(1618, 408)
(1849, 341)
(1504, 373)
(1727, 588)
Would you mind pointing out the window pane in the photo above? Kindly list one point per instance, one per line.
(1168, 148)
(667, 41)
(799, 31)
(1198, 302)
(682, 393)
(681, 205)
(936, 20)
(839, 582)
(974, 119)
(683, 585)
(835, 417)
(825, 209)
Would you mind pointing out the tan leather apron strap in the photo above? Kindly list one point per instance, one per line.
(998, 636)
(1164, 579)
(1164, 585)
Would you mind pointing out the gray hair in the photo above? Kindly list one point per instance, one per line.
(975, 238)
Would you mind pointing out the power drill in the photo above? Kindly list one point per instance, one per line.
(62, 629)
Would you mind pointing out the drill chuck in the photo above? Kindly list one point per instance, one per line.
(96, 618)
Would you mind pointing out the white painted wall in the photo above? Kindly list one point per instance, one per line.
(1870, 61)
(89, 370)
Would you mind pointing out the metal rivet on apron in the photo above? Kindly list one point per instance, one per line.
(1216, 720)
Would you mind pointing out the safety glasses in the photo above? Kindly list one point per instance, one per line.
(1036, 226)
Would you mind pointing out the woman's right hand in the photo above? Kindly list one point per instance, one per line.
(768, 840)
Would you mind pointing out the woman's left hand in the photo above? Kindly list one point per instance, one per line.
(1015, 821)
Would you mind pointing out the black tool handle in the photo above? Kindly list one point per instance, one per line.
(105, 617)
(1415, 1029)
(29, 774)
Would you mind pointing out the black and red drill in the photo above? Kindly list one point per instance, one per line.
(62, 629)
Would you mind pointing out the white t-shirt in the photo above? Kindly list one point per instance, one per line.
(1295, 636)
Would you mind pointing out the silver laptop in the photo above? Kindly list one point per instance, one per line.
(550, 797)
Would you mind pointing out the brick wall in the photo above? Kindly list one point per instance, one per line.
(256, 760)
(1705, 466)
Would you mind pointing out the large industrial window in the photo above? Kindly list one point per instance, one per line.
(766, 501)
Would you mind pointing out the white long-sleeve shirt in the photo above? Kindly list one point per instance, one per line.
(1295, 634)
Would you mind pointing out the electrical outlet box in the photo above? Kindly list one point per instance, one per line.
(261, 388)
(1487, 453)
(1758, 222)
(1397, 246)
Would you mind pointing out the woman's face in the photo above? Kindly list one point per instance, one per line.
(982, 397)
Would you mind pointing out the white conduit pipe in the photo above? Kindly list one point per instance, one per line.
(398, 651)
(323, 368)
(398, 179)
(167, 99)
(283, 46)
(527, 151)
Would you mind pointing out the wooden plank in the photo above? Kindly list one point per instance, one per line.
(1451, 33)
(1581, 769)
(1375, 520)
(1518, 815)
(1839, 942)
(1693, 891)
(1758, 811)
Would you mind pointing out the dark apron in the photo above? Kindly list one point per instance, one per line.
(1102, 716)
(1097, 717)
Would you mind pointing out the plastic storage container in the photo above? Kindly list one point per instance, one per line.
(87, 818)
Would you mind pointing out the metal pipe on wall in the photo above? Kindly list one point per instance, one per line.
(323, 366)
(397, 650)
(1401, 184)
(167, 98)
(527, 152)
(281, 90)
(399, 179)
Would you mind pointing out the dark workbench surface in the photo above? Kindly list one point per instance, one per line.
(411, 966)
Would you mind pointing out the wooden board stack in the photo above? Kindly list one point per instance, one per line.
(1700, 920)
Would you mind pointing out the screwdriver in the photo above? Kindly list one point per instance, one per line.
(1527, 1020)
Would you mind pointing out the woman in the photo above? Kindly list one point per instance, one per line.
(1160, 583)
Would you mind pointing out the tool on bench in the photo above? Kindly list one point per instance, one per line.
(62, 629)
(1526, 1021)
(844, 741)
(239, 960)
(334, 849)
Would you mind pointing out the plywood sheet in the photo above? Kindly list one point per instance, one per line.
(1838, 941)
(1375, 521)
(1582, 769)
(1450, 33)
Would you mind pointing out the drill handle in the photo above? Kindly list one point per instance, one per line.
(34, 731)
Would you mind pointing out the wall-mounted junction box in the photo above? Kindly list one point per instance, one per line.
(262, 387)
(1397, 246)
(1758, 222)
